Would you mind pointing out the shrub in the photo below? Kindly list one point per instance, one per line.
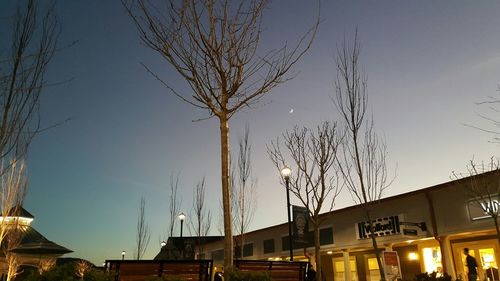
(66, 272)
(167, 278)
(238, 275)
(432, 277)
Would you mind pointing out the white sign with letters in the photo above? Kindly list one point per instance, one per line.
(381, 227)
(481, 209)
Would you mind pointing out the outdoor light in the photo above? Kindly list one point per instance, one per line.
(412, 256)
(285, 173)
(182, 217)
(123, 255)
(163, 243)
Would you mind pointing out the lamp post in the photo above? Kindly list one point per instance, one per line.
(123, 255)
(182, 217)
(285, 172)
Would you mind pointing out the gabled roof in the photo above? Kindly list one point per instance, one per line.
(35, 243)
(464, 180)
(21, 213)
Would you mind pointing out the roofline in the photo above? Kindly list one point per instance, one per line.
(394, 197)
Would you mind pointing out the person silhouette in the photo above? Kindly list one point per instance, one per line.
(311, 273)
(471, 264)
(218, 276)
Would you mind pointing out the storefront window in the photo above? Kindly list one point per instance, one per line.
(432, 260)
(339, 269)
(487, 256)
(373, 271)
(485, 253)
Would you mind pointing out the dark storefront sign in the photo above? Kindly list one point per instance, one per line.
(410, 232)
(381, 227)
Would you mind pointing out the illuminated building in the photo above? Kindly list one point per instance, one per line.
(428, 228)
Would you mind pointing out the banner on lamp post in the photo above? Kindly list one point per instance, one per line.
(300, 224)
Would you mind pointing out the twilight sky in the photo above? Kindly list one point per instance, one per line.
(428, 63)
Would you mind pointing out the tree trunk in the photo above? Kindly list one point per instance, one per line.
(242, 242)
(435, 232)
(226, 192)
(317, 253)
(495, 219)
(375, 247)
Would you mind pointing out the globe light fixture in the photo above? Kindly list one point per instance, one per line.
(286, 172)
(182, 217)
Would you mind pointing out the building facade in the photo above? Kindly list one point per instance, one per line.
(428, 228)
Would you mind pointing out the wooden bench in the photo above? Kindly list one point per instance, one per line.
(142, 270)
(280, 270)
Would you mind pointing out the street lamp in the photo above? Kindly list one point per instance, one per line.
(123, 255)
(182, 217)
(285, 173)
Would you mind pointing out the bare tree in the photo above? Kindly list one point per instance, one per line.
(14, 266)
(82, 267)
(316, 181)
(363, 161)
(143, 233)
(244, 191)
(213, 45)
(22, 78)
(46, 264)
(202, 219)
(488, 111)
(13, 191)
(13, 238)
(484, 190)
(175, 203)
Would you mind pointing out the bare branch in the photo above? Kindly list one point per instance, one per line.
(202, 219)
(175, 203)
(363, 163)
(13, 191)
(81, 268)
(315, 178)
(213, 46)
(245, 190)
(22, 78)
(143, 234)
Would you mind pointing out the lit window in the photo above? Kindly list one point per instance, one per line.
(372, 264)
(432, 259)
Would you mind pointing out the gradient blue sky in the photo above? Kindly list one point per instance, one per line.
(428, 62)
